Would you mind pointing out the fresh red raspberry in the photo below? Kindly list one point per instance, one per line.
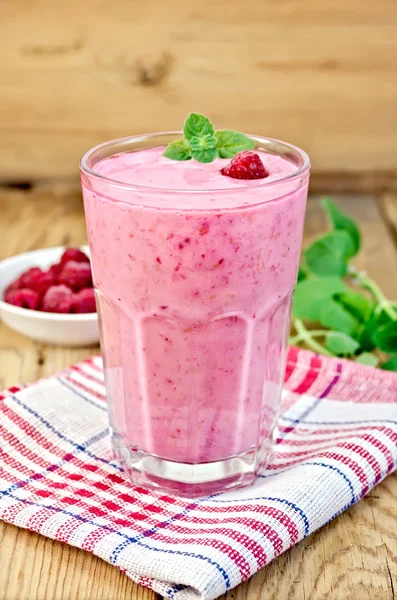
(27, 279)
(55, 271)
(74, 254)
(41, 282)
(245, 165)
(35, 279)
(58, 299)
(76, 275)
(12, 287)
(85, 301)
(24, 298)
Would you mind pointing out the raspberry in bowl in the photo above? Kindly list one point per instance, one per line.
(47, 295)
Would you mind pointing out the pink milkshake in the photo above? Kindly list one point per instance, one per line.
(194, 273)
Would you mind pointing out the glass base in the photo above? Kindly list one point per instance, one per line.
(192, 480)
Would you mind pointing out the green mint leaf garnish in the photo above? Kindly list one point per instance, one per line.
(229, 143)
(203, 148)
(178, 150)
(342, 222)
(341, 344)
(197, 126)
(204, 144)
(205, 155)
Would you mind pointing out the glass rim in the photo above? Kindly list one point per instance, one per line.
(125, 142)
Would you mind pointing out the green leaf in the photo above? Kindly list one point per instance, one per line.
(385, 337)
(366, 358)
(310, 293)
(341, 344)
(342, 222)
(357, 305)
(197, 125)
(327, 256)
(335, 317)
(229, 143)
(390, 365)
(302, 274)
(203, 148)
(206, 142)
(178, 150)
(382, 317)
(367, 332)
(205, 156)
(203, 144)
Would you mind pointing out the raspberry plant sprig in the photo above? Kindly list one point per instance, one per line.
(338, 310)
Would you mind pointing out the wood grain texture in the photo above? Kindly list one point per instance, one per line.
(319, 74)
(352, 558)
(353, 182)
(36, 568)
(388, 206)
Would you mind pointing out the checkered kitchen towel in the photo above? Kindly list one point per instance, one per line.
(337, 438)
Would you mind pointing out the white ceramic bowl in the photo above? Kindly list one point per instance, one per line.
(52, 328)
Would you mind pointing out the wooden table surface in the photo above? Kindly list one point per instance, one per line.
(352, 558)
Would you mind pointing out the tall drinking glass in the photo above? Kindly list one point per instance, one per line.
(194, 289)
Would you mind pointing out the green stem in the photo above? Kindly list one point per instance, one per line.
(313, 333)
(383, 303)
(305, 336)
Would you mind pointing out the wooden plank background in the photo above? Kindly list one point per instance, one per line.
(319, 73)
